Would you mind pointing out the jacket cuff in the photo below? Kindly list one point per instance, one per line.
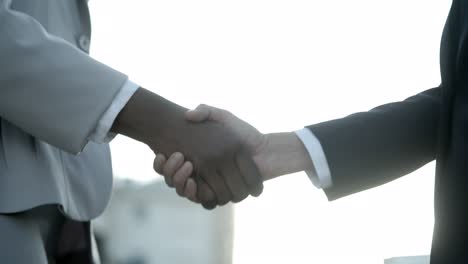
(321, 177)
(102, 133)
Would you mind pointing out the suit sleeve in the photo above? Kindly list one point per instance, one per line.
(371, 148)
(49, 88)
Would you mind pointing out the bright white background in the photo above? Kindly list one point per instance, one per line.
(281, 65)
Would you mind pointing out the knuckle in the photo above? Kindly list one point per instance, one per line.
(205, 199)
(179, 182)
(179, 192)
(157, 164)
(168, 181)
(257, 191)
(168, 170)
(223, 202)
(240, 197)
(225, 113)
(223, 198)
(236, 199)
(208, 206)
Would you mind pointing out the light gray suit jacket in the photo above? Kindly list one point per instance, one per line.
(52, 94)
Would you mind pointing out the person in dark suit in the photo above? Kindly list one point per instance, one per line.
(367, 149)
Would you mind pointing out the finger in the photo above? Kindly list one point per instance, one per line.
(191, 190)
(250, 173)
(181, 176)
(159, 162)
(205, 112)
(218, 186)
(235, 182)
(205, 195)
(174, 162)
(199, 114)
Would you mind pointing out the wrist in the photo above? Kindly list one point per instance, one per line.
(281, 154)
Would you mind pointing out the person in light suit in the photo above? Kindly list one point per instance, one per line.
(368, 149)
(58, 110)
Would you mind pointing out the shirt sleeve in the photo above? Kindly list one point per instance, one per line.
(102, 133)
(321, 177)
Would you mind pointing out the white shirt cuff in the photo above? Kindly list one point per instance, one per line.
(321, 177)
(102, 132)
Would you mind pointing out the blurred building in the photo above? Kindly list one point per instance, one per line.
(149, 224)
(408, 260)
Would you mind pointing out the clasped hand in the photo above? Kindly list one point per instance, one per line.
(221, 169)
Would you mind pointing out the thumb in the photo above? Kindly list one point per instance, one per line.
(199, 114)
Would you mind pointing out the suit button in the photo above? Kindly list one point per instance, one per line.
(84, 42)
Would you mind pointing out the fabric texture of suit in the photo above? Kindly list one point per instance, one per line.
(52, 95)
(395, 139)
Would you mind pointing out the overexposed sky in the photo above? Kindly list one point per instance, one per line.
(281, 65)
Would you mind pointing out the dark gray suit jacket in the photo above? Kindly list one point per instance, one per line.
(368, 149)
(52, 95)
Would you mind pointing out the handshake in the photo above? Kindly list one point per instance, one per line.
(214, 157)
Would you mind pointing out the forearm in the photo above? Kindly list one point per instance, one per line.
(148, 117)
(369, 149)
(283, 153)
